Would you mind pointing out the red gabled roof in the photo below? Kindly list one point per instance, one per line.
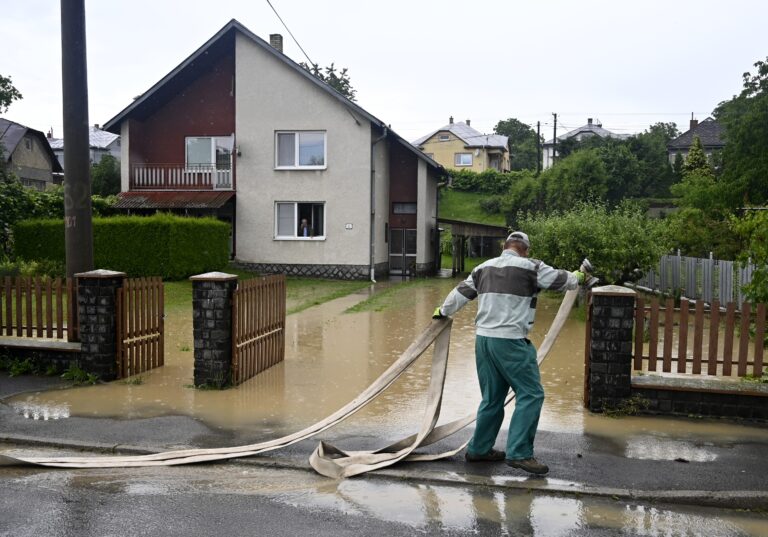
(172, 200)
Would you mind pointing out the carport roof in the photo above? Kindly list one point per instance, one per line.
(172, 200)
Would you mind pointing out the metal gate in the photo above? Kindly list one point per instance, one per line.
(402, 251)
(258, 326)
(140, 344)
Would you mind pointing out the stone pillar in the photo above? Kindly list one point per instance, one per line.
(212, 326)
(97, 315)
(609, 363)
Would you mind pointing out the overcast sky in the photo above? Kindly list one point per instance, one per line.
(415, 63)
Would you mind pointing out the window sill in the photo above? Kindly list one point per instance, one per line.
(280, 168)
(307, 239)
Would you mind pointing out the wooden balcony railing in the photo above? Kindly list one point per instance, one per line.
(179, 177)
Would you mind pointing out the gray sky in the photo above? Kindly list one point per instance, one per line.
(415, 63)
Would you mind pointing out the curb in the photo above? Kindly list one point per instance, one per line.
(744, 499)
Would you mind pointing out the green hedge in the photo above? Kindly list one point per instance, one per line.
(164, 245)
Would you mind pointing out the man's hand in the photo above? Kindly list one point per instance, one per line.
(580, 276)
(437, 314)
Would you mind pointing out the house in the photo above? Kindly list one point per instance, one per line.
(241, 131)
(709, 131)
(459, 146)
(100, 143)
(590, 129)
(28, 155)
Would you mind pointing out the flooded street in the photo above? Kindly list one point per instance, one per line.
(331, 356)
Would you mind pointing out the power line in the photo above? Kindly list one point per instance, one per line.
(311, 63)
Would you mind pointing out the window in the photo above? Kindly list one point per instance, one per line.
(28, 144)
(209, 152)
(462, 159)
(443, 137)
(303, 149)
(403, 208)
(294, 220)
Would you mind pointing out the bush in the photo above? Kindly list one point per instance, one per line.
(489, 181)
(491, 205)
(621, 243)
(164, 245)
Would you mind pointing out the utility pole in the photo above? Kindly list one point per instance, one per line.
(538, 148)
(78, 231)
(554, 142)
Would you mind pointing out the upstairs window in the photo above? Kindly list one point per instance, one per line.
(300, 150)
(462, 159)
(206, 152)
(443, 137)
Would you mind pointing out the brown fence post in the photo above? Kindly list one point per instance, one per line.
(97, 315)
(212, 327)
(610, 351)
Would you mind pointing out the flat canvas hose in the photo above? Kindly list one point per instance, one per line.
(326, 459)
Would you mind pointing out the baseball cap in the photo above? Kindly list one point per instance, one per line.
(520, 237)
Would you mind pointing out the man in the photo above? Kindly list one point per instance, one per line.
(507, 287)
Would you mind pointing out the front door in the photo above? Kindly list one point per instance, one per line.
(402, 251)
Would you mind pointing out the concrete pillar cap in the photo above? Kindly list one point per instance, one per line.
(613, 290)
(100, 273)
(213, 276)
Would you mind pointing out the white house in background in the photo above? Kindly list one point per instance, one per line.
(241, 131)
(583, 132)
(101, 143)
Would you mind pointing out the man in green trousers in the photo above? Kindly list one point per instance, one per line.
(506, 288)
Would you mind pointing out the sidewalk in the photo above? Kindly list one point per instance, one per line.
(725, 472)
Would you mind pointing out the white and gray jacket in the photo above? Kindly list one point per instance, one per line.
(506, 288)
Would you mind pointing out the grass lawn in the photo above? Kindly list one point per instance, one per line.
(301, 293)
(466, 206)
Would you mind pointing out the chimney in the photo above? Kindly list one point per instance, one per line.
(49, 135)
(96, 126)
(467, 123)
(276, 40)
(450, 120)
(589, 121)
(694, 122)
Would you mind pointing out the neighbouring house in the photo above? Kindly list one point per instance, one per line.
(241, 131)
(28, 155)
(459, 146)
(100, 143)
(592, 128)
(709, 131)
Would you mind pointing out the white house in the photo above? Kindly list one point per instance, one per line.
(100, 143)
(548, 149)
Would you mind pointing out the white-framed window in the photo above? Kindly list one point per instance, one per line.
(296, 220)
(462, 159)
(403, 208)
(300, 150)
(443, 137)
(207, 152)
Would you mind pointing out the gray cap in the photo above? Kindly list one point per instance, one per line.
(520, 237)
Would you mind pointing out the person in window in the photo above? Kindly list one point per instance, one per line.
(305, 230)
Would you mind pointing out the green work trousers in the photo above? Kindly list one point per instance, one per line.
(503, 364)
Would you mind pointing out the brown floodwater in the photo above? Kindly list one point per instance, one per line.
(332, 355)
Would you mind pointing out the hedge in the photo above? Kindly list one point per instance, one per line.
(164, 245)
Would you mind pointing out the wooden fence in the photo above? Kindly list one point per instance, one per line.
(140, 326)
(712, 340)
(38, 307)
(258, 326)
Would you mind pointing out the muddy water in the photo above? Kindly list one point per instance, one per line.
(331, 356)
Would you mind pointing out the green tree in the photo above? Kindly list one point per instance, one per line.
(753, 231)
(745, 159)
(338, 80)
(677, 167)
(623, 171)
(105, 176)
(655, 175)
(696, 232)
(8, 93)
(621, 243)
(700, 188)
(522, 140)
(697, 163)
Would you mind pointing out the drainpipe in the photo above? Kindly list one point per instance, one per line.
(373, 201)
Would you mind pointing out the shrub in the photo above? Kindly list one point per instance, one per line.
(161, 245)
(489, 181)
(491, 205)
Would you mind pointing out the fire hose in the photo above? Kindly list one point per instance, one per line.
(327, 459)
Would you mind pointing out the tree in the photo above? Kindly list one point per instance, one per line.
(8, 93)
(700, 188)
(753, 230)
(745, 160)
(523, 148)
(105, 176)
(696, 163)
(655, 175)
(338, 80)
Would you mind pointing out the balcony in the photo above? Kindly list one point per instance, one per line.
(179, 177)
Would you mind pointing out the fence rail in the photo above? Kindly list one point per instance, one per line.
(258, 326)
(691, 339)
(37, 307)
(140, 326)
(180, 177)
(699, 278)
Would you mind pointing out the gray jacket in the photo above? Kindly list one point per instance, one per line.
(506, 288)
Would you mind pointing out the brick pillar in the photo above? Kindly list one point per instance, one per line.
(609, 364)
(97, 315)
(212, 326)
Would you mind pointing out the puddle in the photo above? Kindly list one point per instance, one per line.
(331, 356)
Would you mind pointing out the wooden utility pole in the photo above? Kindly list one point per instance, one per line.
(78, 231)
(554, 142)
(538, 147)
